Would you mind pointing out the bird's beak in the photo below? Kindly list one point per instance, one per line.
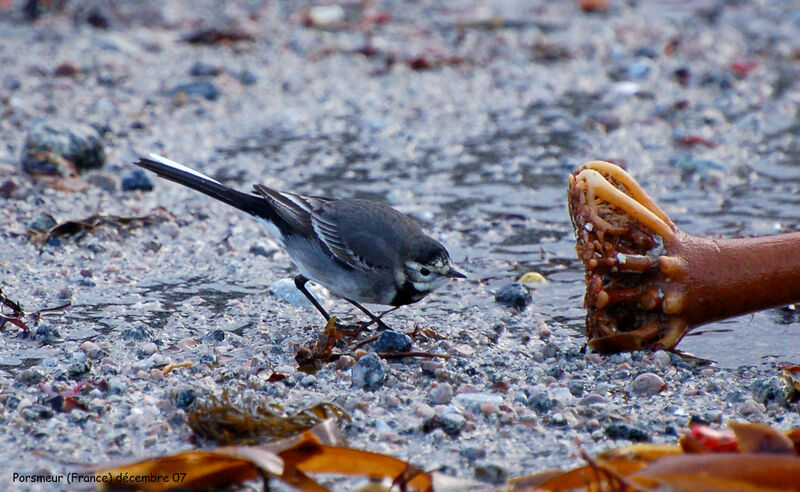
(453, 273)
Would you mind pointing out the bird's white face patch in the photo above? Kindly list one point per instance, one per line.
(427, 278)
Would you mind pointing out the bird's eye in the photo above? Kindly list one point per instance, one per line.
(424, 272)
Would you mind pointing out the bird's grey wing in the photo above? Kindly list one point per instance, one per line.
(328, 232)
(307, 216)
(295, 210)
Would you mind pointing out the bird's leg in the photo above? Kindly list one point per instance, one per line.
(372, 317)
(300, 282)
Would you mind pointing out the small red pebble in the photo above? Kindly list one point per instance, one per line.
(379, 18)
(742, 67)
(714, 440)
(66, 69)
(689, 140)
(593, 5)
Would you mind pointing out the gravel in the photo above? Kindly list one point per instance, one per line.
(468, 126)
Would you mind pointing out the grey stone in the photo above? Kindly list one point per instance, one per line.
(490, 472)
(137, 180)
(647, 384)
(392, 341)
(203, 88)
(368, 372)
(514, 295)
(78, 143)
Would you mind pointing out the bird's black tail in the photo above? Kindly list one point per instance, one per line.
(173, 171)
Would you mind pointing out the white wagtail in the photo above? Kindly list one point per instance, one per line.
(360, 250)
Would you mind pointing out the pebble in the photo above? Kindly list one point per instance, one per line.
(392, 341)
(451, 422)
(78, 369)
(662, 359)
(558, 419)
(76, 142)
(593, 358)
(184, 397)
(532, 279)
(487, 408)
(541, 402)
(750, 407)
(430, 367)
(92, 350)
(14, 402)
(201, 69)
(264, 248)
(437, 435)
(562, 396)
(42, 222)
(37, 412)
(11, 83)
(103, 181)
(322, 16)
(247, 77)
(648, 384)
(10, 188)
(576, 387)
(423, 410)
(773, 389)
(30, 376)
(513, 295)
(116, 386)
(368, 372)
(137, 180)
(138, 333)
(734, 396)
(285, 289)
(47, 335)
(477, 403)
(625, 431)
(591, 399)
(66, 69)
(147, 349)
(473, 453)
(691, 164)
(216, 335)
(490, 471)
(202, 88)
(467, 388)
(441, 394)
(345, 362)
(382, 426)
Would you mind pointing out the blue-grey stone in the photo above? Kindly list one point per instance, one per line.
(42, 222)
(203, 88)
(202, 69)
(392, 341)
(450, 422)
(137, 180)
(138, 333)
(514, 295)
(75, 142)
(247, 77)
(368, 372)
(185, 397)
(625, 431)
(47, 334)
